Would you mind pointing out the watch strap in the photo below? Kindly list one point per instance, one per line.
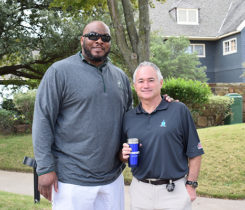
(194, 184)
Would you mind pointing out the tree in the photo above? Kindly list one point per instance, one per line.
(132, 35)
(173, 60)
(32, 37)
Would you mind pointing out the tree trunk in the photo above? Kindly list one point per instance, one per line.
(137, 49)
(144, 31)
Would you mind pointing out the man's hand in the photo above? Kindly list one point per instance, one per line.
(192, 192)
(45, 183)
(124, 154)
(169, 99)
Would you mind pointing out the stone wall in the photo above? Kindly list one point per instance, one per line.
(209, 115)
(209, 118)
(225, 88)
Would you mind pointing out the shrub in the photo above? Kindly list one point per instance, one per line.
(220, 105)
(7, 120)
(190, 92)
(216, 110)
(135, 97)
(8, 104)
(24, 102)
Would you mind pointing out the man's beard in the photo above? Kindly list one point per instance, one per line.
(95, 58)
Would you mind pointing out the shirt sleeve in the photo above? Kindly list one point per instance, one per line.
(192, 142)
(47, 105)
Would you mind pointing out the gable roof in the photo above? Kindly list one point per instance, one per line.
(217, 18)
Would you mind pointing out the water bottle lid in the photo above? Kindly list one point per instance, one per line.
(133, 141)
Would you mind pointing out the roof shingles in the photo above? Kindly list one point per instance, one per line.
(217, 17)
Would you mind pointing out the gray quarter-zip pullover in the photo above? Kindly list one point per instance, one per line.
(78, 120)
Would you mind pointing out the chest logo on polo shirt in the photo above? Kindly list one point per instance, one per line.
(119, 84)
(163, 124)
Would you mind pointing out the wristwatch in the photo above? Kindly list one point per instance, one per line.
(192, 183)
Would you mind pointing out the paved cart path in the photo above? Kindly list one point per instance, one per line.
(22, 183)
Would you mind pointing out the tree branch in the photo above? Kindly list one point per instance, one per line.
(16, 70)
(26, 75)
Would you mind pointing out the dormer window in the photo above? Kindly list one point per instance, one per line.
(187, 16)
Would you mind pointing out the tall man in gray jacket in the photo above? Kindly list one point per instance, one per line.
(77, 124)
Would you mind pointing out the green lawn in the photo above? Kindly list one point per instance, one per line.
(21, 202)
(12, 152)
(223, 165)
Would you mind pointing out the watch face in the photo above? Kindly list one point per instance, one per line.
(194, 184)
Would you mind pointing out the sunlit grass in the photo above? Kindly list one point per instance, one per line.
(223, 165)
(21, 202)
(12, 152)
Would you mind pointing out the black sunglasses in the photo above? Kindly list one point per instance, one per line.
(95, 36)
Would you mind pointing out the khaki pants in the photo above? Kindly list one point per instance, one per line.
(146, 196)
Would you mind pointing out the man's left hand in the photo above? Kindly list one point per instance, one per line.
(192, 192)
(169, 99)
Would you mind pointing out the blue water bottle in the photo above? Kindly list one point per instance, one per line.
(134, 155)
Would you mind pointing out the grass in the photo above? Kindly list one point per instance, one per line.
(222, 172)
(223, 167)
(21, 202)
(12, 152)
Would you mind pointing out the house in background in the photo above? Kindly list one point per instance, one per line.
(215, 28)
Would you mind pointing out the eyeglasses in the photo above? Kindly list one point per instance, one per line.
(95, 36)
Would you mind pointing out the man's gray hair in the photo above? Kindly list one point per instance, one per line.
(147, 63)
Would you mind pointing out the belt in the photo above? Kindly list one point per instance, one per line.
(159, 181)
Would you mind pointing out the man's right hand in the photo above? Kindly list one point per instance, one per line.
(124, 155)
(45, 183)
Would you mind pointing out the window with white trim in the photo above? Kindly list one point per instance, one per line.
(187, 16)
(197, 48)
(229, 46)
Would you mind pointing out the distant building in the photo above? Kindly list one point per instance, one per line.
(215, 28)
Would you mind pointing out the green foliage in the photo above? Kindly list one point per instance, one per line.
(135, 97)
(90, 7)
(7, 120)
(173, 60)
(187, 91)
(8, 104)
(217, 106)
(24, 102)
(190, 92)
(220, 105)
(27, 50)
